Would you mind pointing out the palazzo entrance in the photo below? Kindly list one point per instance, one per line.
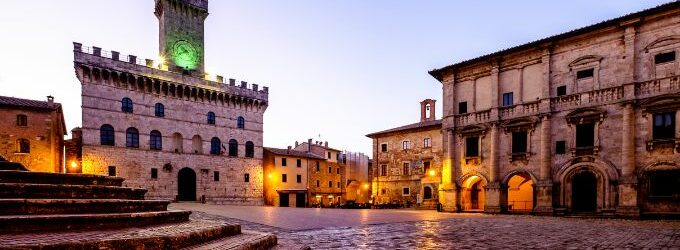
(584, 192)
(186, 185)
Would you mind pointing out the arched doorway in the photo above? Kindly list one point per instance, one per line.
(472, 194)
(520, 191)
(186, 185)
(584, 192)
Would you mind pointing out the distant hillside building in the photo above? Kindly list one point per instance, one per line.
(166, 125)
(407, 161)
(32, 133)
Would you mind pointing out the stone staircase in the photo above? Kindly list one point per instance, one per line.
(78, 211)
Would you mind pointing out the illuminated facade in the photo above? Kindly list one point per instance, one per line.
(585, 121)
(327, 181)
(287, 176)
(32, 133)
(407, 162)
(166, 126)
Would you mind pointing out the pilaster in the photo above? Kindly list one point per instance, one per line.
(628, 205)
(493, 198)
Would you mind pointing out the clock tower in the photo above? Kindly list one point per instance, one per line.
(181, 24)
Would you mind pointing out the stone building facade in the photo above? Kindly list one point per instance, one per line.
(287, 176)
(32, 133)
(166, 126)
(588, 118)
(407, 162)
(327, 178)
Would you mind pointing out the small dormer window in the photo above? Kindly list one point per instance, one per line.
(664, 57)
(586, 73)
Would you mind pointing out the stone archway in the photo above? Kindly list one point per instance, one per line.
(519, 190)
(570, 179)
(473, 194)
(186, 185)
(584, 192)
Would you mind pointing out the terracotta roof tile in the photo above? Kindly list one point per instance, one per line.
(435, 123)
(296, 153)
(18, 102)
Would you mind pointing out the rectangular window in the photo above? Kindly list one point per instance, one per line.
(427, 143)
(318, 184)
(519, 142)
(284, 162)
(22, 120)
(299, 178)
(462, 107)
(246, 178)
(330, 170)
(383, 191)
(216, 176)
(299, 163)
(317, 166)
(330, 184)
(407, 168)
(338, 184)
(383, 147)
(426, 166)
(664, 125)
(406, 191)
(383, 170)
(406, 145)
(585, 73)
(585, 135)
(561, 90)
(154, 173)
(560, 147)
(112, 170)
(664, 57)
(507, 99)
(337, 170)
(284, 178)
(472, 146)
(329, 155)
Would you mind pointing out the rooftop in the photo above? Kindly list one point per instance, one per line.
(295, 153)
(26, 103)
(437, 73)
(414, 126)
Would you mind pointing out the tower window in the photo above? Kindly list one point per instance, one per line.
(155, 140)
(472, 146)
(560, 147)
(664, 125)
(241, 122)
(561, 90)
(216, 176)
(132, 138)
(215, 146)
(211, 117)
(22, 120)
(664, 57)
(519, 142)
(126, 105)
(106, 135)
(154, 173)
(427, 111)
(246, 177)
(462, 108)
(233, 147)
(586, 73)
(23, 146)
(507, 99)
(159, 110)
(250, 149)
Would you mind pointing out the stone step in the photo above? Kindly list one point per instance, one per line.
(170, 236)
(10, 176)
(58, 191)
(67, 222)
(247, 240)
(79, 206)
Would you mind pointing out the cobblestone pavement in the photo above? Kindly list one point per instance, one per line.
(475, 231)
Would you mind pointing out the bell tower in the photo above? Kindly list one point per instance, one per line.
(181, 43)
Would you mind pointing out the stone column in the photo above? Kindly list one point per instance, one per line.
(448, 191)
(628, 205)
(493, 188)
(544, 186)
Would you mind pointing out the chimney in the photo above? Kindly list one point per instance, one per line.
(50, 101)
(326, 144)
(309, 145)
(289, 148)
(427, 110)
(297, 144)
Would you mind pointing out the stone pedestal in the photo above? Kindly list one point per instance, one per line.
(628, 204)
(543, 198)
(448, 197)
(493, 198)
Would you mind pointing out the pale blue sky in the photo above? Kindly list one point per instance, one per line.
(341, 69)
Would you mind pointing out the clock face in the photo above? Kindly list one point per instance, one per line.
(184, 54)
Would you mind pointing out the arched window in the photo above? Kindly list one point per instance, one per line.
(106, 135)
(178, 142)
(250, 149)
(241, 123)
(233, 147)
(155, 140)
(160, 110)
(427, 192)
(23, 146)
(215, 146)
(197, 144)
(132, 138)
(22, 120)
(211, 117)
(126, 105)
